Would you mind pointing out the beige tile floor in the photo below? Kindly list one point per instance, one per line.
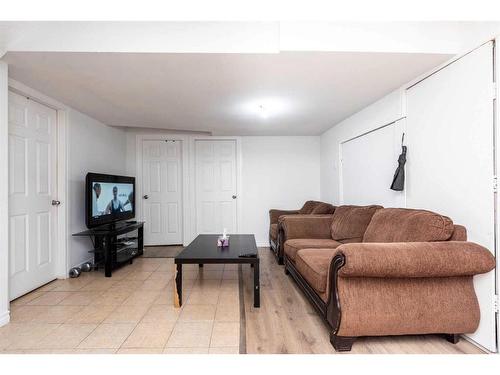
(131, 312)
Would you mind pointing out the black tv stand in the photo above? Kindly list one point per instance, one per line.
(111, 250)
(114, 226)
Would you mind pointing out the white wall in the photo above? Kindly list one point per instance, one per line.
(92, 147)
(373, 36)
(142, 36)
(367, 167)
(4, 195)
(277, 172)
(386, 110)
(244, 37)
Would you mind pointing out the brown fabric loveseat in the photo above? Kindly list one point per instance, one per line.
(411, 272)
(309, 208)
(347, 224)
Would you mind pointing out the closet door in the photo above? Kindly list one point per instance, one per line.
(216, 171)
(162, 191)
(450, 169)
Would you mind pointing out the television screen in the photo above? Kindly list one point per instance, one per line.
(109, 198)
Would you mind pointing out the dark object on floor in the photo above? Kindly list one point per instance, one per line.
(162, 251)
(398, 182)
(86, 267)
(75, 272)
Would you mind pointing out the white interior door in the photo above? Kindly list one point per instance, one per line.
(162, 192)
(450, 159)
(215, 166)
(368, 166)
(32, 187)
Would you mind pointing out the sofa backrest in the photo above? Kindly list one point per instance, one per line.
(308, 207)
(349, 223)
(323, 209)
(408, 225)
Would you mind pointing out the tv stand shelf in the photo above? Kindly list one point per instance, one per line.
(111, 250)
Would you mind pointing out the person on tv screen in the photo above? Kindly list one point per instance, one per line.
(95, 199)
(115, 206)
(130, 201)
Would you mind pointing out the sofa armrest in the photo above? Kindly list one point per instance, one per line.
(306, 226)
(415, 259)
(275, 214)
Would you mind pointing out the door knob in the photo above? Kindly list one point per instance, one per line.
(146, 196)
(234, 196)
(55, 203)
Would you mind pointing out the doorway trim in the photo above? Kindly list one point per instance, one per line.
(239, 179)
(185, 145)
(61, 168)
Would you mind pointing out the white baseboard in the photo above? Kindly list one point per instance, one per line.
(467, 338)
(4, 318)
(263, 244)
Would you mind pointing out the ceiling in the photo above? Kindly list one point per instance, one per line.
(305, 93)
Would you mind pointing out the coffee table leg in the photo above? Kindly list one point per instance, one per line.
(178, 287)
(256, 285)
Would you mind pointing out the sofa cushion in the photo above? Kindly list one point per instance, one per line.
(408, 225)
(308, 207)
(323, 208)
(294, 245)
(349, 223)
(313, 265)
(459, 233)
(273, 231)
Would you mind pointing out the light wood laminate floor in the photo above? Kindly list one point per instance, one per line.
(287, 323)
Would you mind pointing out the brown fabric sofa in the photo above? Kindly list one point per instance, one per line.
(409, 273)
(347, 224)
(309, 208)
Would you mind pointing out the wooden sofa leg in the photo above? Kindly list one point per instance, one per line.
(280, 261)
(286, 271)
(453, 338)
(341, 343)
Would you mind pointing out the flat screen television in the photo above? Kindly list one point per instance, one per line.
(108, 199)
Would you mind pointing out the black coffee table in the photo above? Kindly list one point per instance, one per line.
(204, 250)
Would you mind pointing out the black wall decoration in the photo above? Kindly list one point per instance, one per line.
(398, 182)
